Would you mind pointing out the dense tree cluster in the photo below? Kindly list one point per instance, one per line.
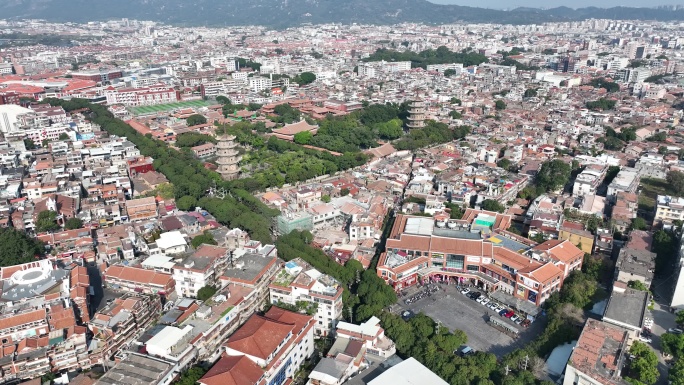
(192, 139)
(492, 205)
(552, 175)
(433, 133)
(518, 65)
(304, 78)
(345, 134)
(286, 114)
(191, 376)
(601, 104)
(242, 62)
(657, 137)
(47, 221)
(18, 247)
(196, 119)
(73, 223)
(206, 292)
(675, 179)
(643, 368)
(203, 239)
(665, 246)
(422, 59)
(610, 86)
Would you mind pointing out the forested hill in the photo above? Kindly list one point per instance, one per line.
(285, 13)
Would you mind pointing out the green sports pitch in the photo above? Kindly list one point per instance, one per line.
(145, 110)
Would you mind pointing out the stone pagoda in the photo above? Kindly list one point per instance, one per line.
(416, 118)
(228, 157)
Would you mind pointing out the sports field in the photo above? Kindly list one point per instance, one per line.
(143, 110)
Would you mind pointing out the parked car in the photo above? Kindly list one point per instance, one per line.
(464, 351)
(526, 323)
(645, 339)
(485, 301)
(465, 291)
(520, 320)
(675, 330)
(503, 312)
(407, 315)
(492, 305)
(509, 314)
(514, 318)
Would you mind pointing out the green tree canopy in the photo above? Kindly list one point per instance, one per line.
(186, 203)
(73, 223)
(492, 205)
(47, 221)
(206, 292)
(553, 175)
(192, 139)
(637, 285)
(305, 78)
(391, 129)
(500, 105)
(676, 374)
(601, 104)
(303, 137)
(223, 100)
(643, 368)
(673, 344)
(639, 223)
(205, 238)
(196, 119)
(17, 247)
(676, 181)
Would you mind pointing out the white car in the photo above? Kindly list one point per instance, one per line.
(485, 301)
(493, 305)
(645, 339)
(480, 299)
(675, 331)
(514, 318)
(465, 291)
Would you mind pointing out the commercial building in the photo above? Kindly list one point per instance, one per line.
(474, 250)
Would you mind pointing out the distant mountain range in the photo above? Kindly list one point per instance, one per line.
(286, 13)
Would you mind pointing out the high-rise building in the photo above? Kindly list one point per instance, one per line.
(416, 117)
(228, 157)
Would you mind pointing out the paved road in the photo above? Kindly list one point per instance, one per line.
(663, 319)
(455, 311)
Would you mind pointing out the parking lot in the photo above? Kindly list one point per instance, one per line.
(456, 311)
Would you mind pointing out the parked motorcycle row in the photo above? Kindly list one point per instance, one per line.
(427, 292)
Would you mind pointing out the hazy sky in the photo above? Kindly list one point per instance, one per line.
(502, 4)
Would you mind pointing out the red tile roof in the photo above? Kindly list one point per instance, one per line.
(232, 370)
